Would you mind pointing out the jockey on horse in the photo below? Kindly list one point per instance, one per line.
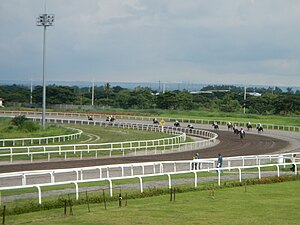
(177, 124)
(259, 128)
(216, 126)
(155, 121)
(229, 125)
(235, 129)
(249, 125)
(242, 133)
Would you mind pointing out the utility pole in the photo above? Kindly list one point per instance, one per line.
(245, 95)
(93, 92)
(31, 89)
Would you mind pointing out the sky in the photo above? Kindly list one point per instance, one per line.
(251, 42)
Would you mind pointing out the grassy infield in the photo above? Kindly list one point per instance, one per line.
(260, 204)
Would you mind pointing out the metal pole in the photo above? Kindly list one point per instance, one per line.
(93, 93)
(44, 86)
(244, 99)
(31, 89)
(44, 20)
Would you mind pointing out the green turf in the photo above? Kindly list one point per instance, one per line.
(235, 117)
(259, 204)
(104, 135)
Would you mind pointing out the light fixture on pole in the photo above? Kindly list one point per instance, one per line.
(44, 20)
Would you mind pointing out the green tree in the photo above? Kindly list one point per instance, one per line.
(107, 90)
(229, 104)
(166, 100)
(287, 104)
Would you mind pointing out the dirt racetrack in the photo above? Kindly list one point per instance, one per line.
(230, 145)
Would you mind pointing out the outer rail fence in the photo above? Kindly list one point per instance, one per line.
(157, 146)
(102, 173)
(167, 119)
(117, 170)
(42, 140)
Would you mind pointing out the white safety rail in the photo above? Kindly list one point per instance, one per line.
(138, 171)
(42, 140)
(167, 119)
(158, 146)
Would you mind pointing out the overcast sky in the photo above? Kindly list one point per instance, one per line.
(197, 41)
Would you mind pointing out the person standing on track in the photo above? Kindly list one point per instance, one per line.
(197, 156)
(293, 160)
(220, 162)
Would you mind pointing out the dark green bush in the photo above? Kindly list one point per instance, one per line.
(30, 126)
(19, 120)
(24, 123)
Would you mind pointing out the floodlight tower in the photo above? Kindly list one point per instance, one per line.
(44, 20)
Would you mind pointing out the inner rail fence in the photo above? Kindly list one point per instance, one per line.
(42, 140)
(147, 118)
(158, 146)
(76, 176)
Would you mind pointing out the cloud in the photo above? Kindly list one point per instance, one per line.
(149, 40)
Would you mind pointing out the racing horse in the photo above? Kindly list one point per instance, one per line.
(190, 126)
(176, 124)
(242, 133)
(155, 121)
(110, 119)
(229, 126)
(215, 126)
(260, 129)
(235, 130)
(249, 126)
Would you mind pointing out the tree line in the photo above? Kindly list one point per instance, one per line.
(223, 98)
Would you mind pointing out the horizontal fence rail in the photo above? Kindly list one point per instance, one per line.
(42, 140)
(109, 171)
(176, 143)
(142, 170)
(148, 118)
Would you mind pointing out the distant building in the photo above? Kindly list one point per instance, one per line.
(254, 94)
(1, 102)
(209, 91)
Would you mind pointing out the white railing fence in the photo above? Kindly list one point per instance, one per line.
(148, 118)
(158, 146)
(42, 140)
(110, 173)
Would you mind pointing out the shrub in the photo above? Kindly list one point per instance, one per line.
(24, 124)
(29, 126)
(19, 120)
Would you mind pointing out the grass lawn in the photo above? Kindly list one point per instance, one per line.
(114, 134)
(8, 131)
(260, 204)
(99, 134)
(196, 114)
(235, 117)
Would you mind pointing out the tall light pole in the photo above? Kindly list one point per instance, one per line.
(44, 20)
(93, 92)
(245, 96)
(31, 89)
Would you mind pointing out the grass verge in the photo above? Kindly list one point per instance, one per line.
(275, 203)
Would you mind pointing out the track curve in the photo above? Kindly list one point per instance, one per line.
(230, 145)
